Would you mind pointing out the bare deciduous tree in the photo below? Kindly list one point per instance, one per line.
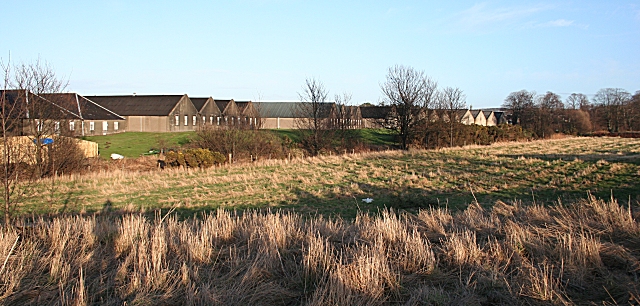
(313, 115)
(451, 100)
(634, 112)
(520, 103)
(578, 101)
(548, 115)
(25, 110)
(413, 93)
(342, 122)
(610, 103)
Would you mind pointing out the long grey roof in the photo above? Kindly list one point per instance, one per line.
(151, 105)
(287, 109)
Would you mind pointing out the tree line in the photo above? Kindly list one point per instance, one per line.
(612, 110)
(429, 116)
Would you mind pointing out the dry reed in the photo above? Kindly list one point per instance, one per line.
(584, 252)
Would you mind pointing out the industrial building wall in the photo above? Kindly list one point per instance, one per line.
(278, 123)
(147, 124)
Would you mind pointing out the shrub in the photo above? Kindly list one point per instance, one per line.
(241, 143)
(63, 156)
(194, 158)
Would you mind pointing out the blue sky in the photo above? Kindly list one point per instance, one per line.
(264, 49)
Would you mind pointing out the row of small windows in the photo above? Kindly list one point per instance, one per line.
(251, 121)
(92, 126)
(72, 126)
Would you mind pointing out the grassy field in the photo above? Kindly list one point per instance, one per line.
(541, 171)
(463, 226)
(134, 144)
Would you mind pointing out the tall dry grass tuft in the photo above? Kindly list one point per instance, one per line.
(578, 253)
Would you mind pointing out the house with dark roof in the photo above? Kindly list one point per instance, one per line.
(490, 118)
(478, 117)
(152, 113)
(208, 110)
(464, 116)
(229, 112)
(88, 117)
(69, 114)
(502, 117)
(249, 115)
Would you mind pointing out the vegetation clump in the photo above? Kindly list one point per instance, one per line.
(194, 158)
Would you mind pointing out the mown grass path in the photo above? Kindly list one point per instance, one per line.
(540, 171)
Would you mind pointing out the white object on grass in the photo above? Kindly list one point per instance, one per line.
(116, 156)
(367, 200)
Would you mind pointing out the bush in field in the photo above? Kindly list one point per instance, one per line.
(194, 158)
(240, 143)
(218, 158)
(436, 135)
(63, 156)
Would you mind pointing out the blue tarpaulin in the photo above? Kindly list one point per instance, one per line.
(44, 141)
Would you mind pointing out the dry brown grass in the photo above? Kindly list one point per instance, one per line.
(541, 171)
(584, 252)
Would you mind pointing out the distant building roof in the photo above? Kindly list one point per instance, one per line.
(242, 105)
(289, 109)
(199, 102)
(277, 109)
(222, 104)
(375, 112)
(81, 107)
(63, 106)
(462, 112)
(147, 105)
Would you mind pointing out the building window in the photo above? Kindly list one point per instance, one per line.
(57, 126)
(115, 125)
(105, 125)
(72, 125)
(186, 120)
(177, 120)
(218, 120)
(204, 120)
(211, 119)
(194, 120)
(92, 126)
